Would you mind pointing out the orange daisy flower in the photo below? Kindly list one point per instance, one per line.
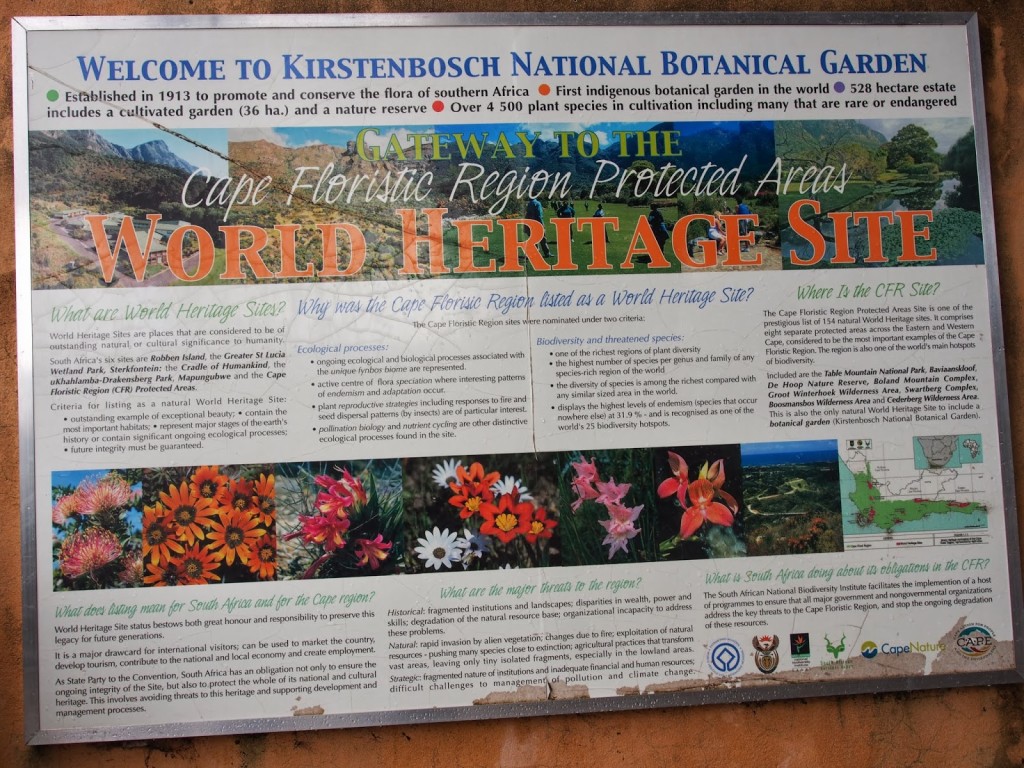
(158, 536)
(209, 483)
(264, 557)
(165, 575)
(189, 512)
(196, 566)
(233, 535)
(240, 495)
(265, 499)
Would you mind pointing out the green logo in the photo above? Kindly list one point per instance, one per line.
(835, 650)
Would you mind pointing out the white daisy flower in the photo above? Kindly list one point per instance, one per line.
(439, 548)
(508, 567)
(510, 484)
(444, 472)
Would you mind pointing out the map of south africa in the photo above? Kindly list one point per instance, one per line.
(937, 486)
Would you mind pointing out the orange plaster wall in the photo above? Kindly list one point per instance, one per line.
(963, 728)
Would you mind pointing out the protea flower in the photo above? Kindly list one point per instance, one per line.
(84, 553)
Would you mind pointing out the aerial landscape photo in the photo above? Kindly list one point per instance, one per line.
(791, 492)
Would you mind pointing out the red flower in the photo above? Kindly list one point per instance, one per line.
(509, 519)
(702, 494)
(471, 491)
(325, 530)
(539, 526)
(339, 495)
(679, 481)
(372, 552)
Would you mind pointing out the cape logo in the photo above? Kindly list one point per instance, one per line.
(975, 641)
(766, 657)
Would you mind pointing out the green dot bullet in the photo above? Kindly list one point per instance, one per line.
(52, 95)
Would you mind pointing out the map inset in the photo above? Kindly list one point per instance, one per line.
(936, 484)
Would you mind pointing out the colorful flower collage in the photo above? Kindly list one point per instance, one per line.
(248, 523)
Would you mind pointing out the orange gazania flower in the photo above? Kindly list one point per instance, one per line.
(208, 483)
(196, 566)
(264, 557)
(188, 511)
(158, 536)
(265, 500)
(233, 535)
(471, 491)
(240, 495)
(509, 519)
(165, 575)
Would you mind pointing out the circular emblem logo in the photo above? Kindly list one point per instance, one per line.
(868, 649)
(975, 641)
(725, 656)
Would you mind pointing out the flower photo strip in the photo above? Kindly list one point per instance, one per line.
(339, 519)
(212, 524)
(481, 513)
(97, 529)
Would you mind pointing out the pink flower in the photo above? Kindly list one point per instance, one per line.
(586, 470)
(583, 482)
(624, 514)
(372, 552)
(325, 530)
(354, 485)
(110, 494)
(340, 495)
(610, 493)
(619, 534)
(584, 492)
(65, 507)
(85, 553)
